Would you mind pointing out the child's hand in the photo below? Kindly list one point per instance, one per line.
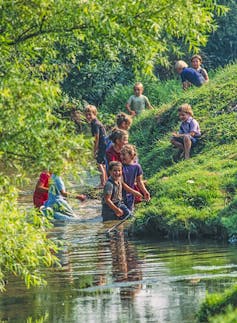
(138, 194)
(133, 113)
(147, 196)
(81, 197)
(119, 213)
(174, 134)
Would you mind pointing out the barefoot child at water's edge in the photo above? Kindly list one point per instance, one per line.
(113, 207)
(99, 134)
(132, 174)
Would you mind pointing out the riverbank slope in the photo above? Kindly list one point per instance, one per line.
(195, 197)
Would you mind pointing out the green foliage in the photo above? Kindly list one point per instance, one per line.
(196, 196)
(221, 47)
(218, 303)
(228, 317)
(157, 92)
(24, 246)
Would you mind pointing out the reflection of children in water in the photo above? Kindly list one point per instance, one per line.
(126, 266)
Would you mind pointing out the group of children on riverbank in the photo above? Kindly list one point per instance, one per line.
(121, 176)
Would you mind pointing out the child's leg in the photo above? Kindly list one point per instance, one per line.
(103, 174)
(177, 143)
(187, 146)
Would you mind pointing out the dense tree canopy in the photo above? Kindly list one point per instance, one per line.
(41, 42)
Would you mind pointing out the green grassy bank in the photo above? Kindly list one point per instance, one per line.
(195, 197)
(219, 308)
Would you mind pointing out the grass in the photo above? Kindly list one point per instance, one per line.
(195, 196)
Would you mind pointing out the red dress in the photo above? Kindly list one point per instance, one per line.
(112, 155)
(40, 197)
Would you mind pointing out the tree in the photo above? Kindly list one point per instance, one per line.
(32, 135)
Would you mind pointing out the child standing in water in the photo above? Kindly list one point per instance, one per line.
(196, 61)
(119, 138)
(189, 131)
(99, 134)
(113, 207)
(56, 200)
(41, 189)
(132, 174)
(138, 102)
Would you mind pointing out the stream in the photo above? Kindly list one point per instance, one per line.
(118, 278)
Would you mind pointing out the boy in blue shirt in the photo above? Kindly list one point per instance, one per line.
(189, 75)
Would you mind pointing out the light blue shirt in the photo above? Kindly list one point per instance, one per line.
(56, 186)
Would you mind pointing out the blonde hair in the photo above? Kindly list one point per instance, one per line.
(138, 84)
(180, 65)
(91, 108)
(123, 117)
(186, 108)
(130, 149)
(196, 56)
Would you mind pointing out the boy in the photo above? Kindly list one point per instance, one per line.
(99, 133)
(113, 207)
(189, 131)
(189, 75)
(138, 102)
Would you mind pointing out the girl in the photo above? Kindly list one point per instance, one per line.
(119, 138)
(56, 200)
(113, 207)
(196, 61)
(41, 189)
(132, 174)
(123, 121)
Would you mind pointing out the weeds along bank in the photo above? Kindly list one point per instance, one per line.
(219, 308)
(195, 197)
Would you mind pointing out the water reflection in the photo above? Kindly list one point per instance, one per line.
(126, 266)
(115, 279)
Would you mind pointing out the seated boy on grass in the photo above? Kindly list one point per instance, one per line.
(189, 131)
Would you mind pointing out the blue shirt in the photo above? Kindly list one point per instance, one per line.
(56, 186)
(191, 75)
(190, 125)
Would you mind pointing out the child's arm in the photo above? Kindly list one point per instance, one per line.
(131, 190)
(112, 206)
(148, 105)
(128, 107)
(133, 113)
(142, 187)
(80, 197)
(96, 144)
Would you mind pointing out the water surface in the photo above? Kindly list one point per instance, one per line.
(114, 278)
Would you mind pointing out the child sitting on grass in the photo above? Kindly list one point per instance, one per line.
(138, 102)
(113, 207)
(189, 131)
(188, 75)
(99, 134)
(132, 175)
(196, 61)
